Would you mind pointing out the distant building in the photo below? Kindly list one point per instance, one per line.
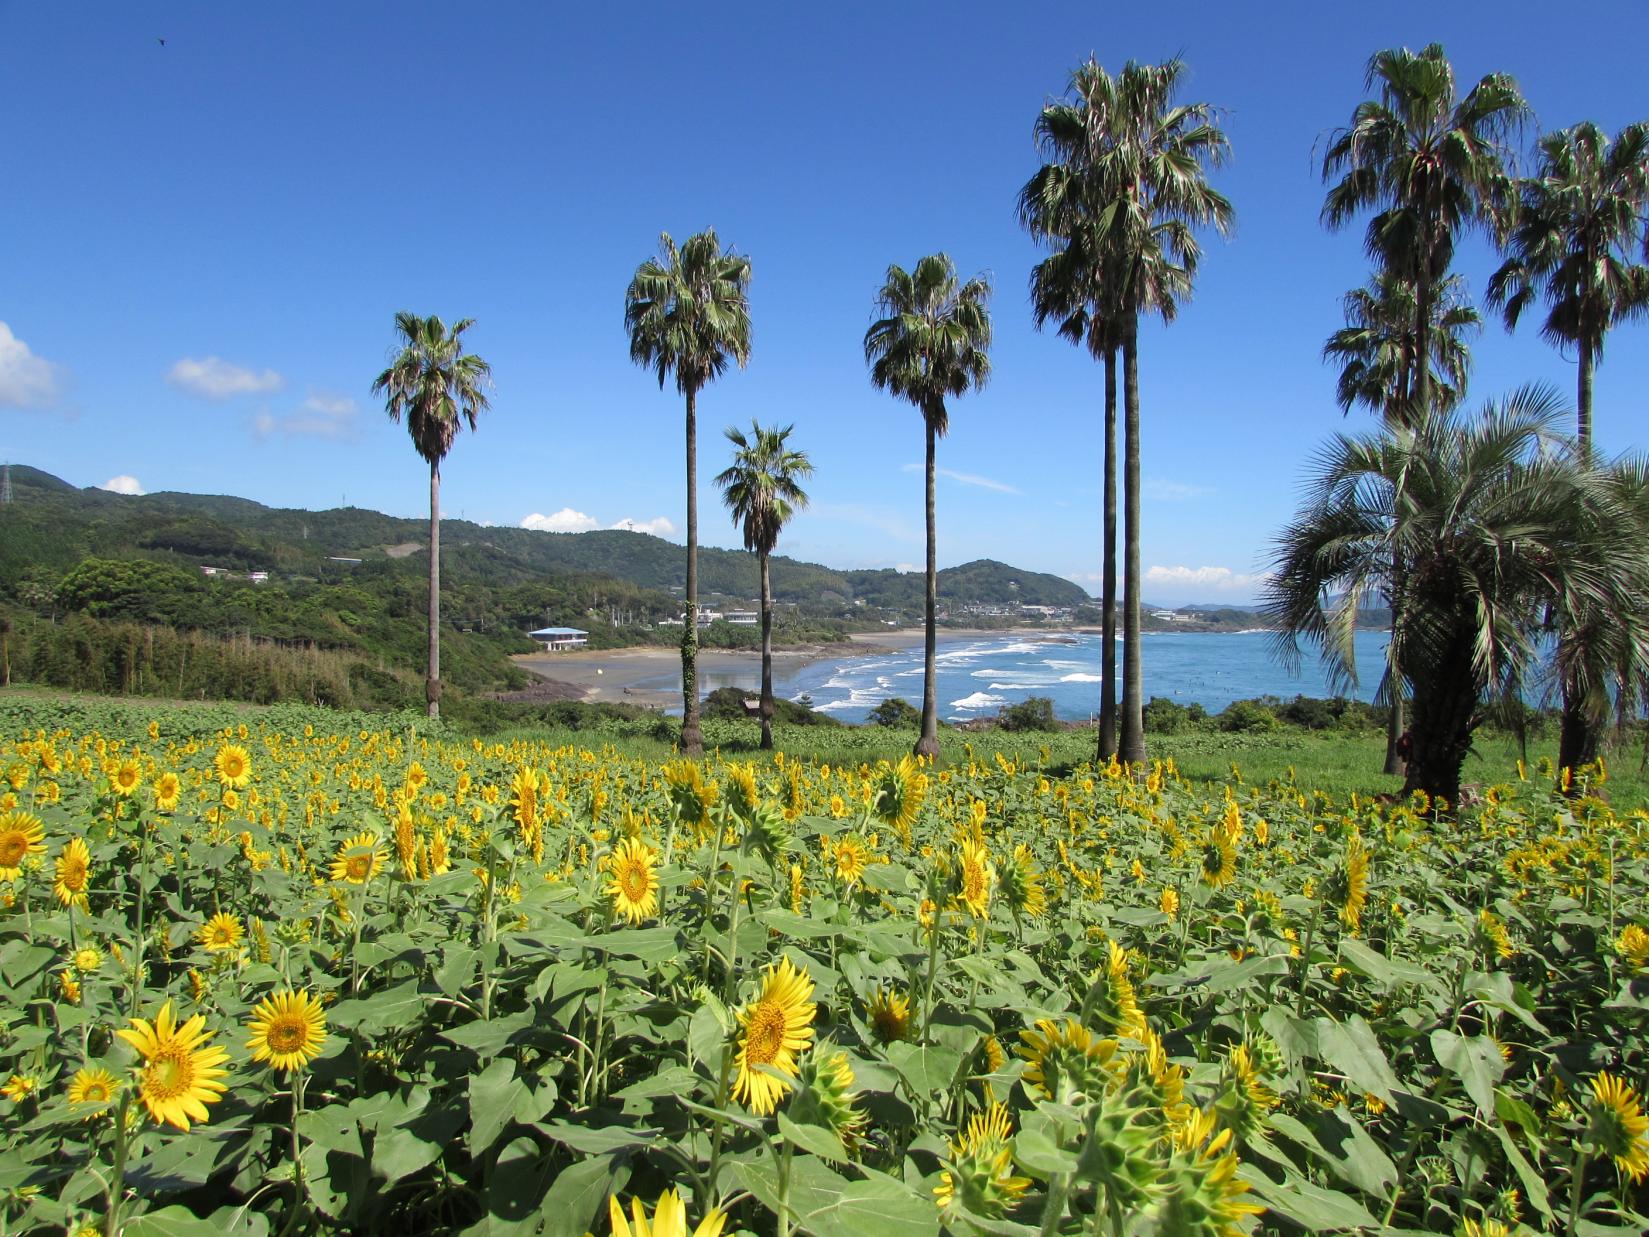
(743, 618)
(213, 571)
(348, 562)
(560, 639)
(258, 577)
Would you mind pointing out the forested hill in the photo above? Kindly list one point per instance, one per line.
(51, 526)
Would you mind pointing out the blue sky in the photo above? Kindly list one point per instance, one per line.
(203, 243)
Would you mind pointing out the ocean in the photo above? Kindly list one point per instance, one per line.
(977, 675)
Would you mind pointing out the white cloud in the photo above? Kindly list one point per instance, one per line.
(658, 527)
(123, 484)
(322, 415)
(26, 380)
(1219, 579)
(1174, 491)
(564, 521)
(217, 379)
(967, 478)
(908, 568)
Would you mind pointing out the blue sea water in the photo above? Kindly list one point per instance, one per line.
(977, 675)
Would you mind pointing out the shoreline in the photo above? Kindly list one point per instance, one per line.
(631, 675)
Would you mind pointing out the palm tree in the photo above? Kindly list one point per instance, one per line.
(688, 313)
(1377, 349)
(1143, 168)
(1062, 208)
(930, 343)
(1431, 165)
(1377, 346)
(1580, 217)
(434, 384)
(762, 489)
(1491, 524)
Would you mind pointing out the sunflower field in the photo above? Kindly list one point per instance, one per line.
(290, 979)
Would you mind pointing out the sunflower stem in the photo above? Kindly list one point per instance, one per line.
(300, 1188)
(1305, 957)
(1577, 1173)
(933, 971)
(784, 1189)
(117, 1182)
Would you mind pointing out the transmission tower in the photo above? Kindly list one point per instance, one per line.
(5, 484)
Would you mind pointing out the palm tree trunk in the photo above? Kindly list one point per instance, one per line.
(1422, 336)
(1398, 414)
(432, 683)
(1108, 587)
(1583, 400)
(1578, 738)
(692, 742)
(927, 743)
(1131, 748)
(1444, 715)
(767, 654)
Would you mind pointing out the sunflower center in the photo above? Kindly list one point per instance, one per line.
(765, 1035)
(286, 1035)
(97, 1093)
(169, 1075)
(74, 876)
(356, 867)
(13, 845)
(633, 880)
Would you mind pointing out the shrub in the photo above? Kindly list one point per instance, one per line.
(1242, 716)
(1037, 713)
(895, 711)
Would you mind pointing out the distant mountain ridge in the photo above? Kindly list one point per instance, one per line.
(51, 524)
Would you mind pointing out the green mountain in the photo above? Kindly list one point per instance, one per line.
(50, 525)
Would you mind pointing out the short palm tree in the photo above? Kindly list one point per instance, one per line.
(1377, 350)
(434, 384)
(1579, 223)
(763, 489)
(930, 344)
(1431, 165)
(688, 313)
(1492, 524)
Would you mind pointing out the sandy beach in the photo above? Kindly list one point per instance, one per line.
(633, 676)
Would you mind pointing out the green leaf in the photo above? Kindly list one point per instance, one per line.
(1475, 1061)
(1037, 1153)
(1227, 976)
(927, 1070)
(492, 1103)
(815, 1138)
(574, 1199)
(1350, 1049)
(177, 1221)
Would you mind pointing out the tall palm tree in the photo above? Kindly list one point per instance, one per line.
(1431, 165)
(762, 488)
(1143, 173)
(931, 342)
(1580, 217)
(1491, 524)
(434, 384)
(1061, 207)
(1378, 351)
(688, 314)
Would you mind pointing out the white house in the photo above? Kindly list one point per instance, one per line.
(560, 639)
(743, 618)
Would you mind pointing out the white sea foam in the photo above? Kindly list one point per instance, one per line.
(1083, 678)
(978, 700)
(1014, 687)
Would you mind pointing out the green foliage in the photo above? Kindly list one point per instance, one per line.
(895, 711)
(1033, 713)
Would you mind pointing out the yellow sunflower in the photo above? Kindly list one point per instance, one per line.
(358, 860)
(127, 778)
(669, 1218)
(979, 1174)
(221, 933)
(774, 1028)
(181, 1072)
(1168, 902)
(977, 876)
(631, 882)
(234, 765)
(899, 790)
(1618, 1126)
(1112, 1000)
(74, 872)
(19, 1087)
(1066, 1061)
(1219, 859)
(1349, 884)
(21, 835)
(889, 1014)
(288, 1030)
(1633, 945)
(168, 790)
(852, 858)
(93, 1088)
(87, 959)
